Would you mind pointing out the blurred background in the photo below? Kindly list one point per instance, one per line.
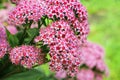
(104, 20)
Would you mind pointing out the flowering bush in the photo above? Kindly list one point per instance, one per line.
(54, 28)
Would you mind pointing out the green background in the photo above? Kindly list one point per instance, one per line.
(104, 19)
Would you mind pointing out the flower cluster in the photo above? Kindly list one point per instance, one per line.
(93, 64)
(4, 18)
(72, 11)
(93, 56)
(85, 74)
(3, 48)
(88, 74)
(66, 9)
(3, 42)
(93, 59)
(61, 74)
(60, 2)
(27, 10)
(60, 12)
(25, 55)
(64, 46)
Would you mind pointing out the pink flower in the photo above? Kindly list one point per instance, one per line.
(101, 65)
(85, 74)
(66, 9)
(93, 58)
(3, 48)
(12, 29)
(99, 77)
(60, 2)
(61, 12)
(64, 47)
(3, 42)
(24, 55)
(27, 9)
(61, 74)
(92, 54)
(2, 33)
(81, 29)
(73, 12)
(3, 15)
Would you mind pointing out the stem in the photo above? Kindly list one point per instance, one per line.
(39, 24)
(24, 32)
(31, 21)
(23, 36)
(41, 64)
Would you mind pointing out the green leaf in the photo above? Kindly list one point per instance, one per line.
(48, 21)
(48, 56)
(45, 49)
(43, 21)
(31, 34)
(28, 75)
(12, 39)
(19, 34)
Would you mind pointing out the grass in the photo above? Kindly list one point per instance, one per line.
(104, 21)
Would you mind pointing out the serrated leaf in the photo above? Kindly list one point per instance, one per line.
(31, 34)
(19, 34)
(33, 31)
(12, 39)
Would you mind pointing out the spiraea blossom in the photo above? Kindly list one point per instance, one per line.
(82, 74)
(81, 30)
(61, 74)
(24, 55)
(60, 12)
(3, 42)
(64, 46)
(93, 56)
(27, 10)
(2, 33)
(85, 74)
(94, 67)
(72, 11)
(89, 74)
(59, 2)
(66, 9)
(99, 77)
(3, 48)
(4, 12)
